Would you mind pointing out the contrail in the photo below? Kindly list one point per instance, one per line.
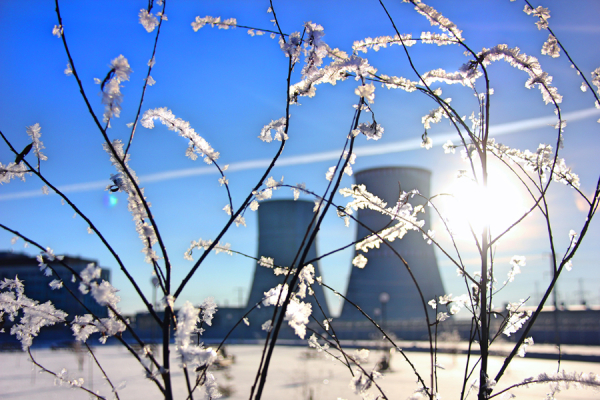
(362, 151)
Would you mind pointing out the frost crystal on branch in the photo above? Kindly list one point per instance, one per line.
(212, 21)
(105, 294)
(516, 263)
(551, 47)
(542, 13)
(279, 128)
(55, 284)
(148, 21)
(449, 147)
(524, 62)
(313, 342)
(297, 312)
(84, 326)
(205, 244)
(275, 296)
(337, 70)
(426, 143)
(315, 49)
(267, 262)
(34, 315)
(367, 91)
(208, 310)
(291, 47)
(540, 162)
(57, 31)
(382, 42)
(360, 261)
(192, 356)
(111, 87)
(197, 144)
(516, 318)
(299, 187)
(306, 278)
(12, 171)
(135, 204)
(372, 131)
(403, 213)
(63, 378)
(465, 77)
(523, 348)
(437, 19)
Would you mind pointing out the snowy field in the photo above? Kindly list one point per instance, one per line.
(295, 373)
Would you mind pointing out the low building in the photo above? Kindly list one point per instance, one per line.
(68, 299)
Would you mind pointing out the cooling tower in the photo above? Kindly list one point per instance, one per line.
(282, 225)
(385, 272)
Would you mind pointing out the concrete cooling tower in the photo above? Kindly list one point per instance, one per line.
(282, 225)
(384, 287)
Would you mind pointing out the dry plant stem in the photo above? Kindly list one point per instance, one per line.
(527, 383)
(57, 377)
(115, 312)
(419, 378)
(347, 363)
(581, 74)
(483, 311)
(103, 371)
(287, 115)
(93, 227)
(430, 91)
(332, 333)
(138, 191)
(269, 345)
(422, 298)
(233, 216)
(166, 373)
(538, 310)
(300, 264)
(334, 343)
(200, 377)
(408, 269)
(246, 201)
(472, 333)
(187, 383)
(137, 114)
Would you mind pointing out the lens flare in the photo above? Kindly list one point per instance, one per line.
(110, 200)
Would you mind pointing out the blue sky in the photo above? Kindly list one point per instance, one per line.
(228, 85)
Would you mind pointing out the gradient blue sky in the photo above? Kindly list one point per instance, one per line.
(229, 85)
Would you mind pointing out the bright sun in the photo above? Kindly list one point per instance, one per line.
(500, 205)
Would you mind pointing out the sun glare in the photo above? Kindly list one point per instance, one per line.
(499, 205)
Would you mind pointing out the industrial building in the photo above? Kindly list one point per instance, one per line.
(37, 287)
(385, 287)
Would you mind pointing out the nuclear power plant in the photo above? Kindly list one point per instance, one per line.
(283, 227)
(384, 287)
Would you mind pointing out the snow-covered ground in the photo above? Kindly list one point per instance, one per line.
(295, 373)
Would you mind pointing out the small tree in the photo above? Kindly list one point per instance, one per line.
(310, 63)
